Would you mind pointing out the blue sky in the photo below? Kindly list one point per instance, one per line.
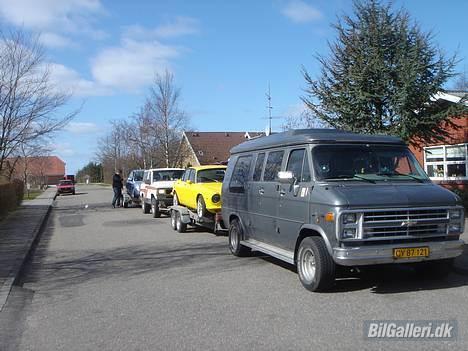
(223, 55)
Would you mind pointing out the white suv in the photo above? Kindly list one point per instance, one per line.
(156, 189)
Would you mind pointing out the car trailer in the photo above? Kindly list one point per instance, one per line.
(181, 216)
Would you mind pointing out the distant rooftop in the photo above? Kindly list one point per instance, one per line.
(459, 93)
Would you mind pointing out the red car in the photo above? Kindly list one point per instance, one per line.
(65, 187)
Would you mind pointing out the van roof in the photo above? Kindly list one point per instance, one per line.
(313, 136)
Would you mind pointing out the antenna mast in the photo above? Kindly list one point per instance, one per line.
(268, 95)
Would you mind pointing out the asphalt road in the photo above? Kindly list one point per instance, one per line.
(116, 279)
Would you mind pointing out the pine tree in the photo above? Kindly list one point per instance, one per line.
(381, 77)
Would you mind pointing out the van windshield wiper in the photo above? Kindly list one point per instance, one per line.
(395, 173)
(351, 176)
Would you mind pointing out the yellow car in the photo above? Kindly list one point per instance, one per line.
(200, 189)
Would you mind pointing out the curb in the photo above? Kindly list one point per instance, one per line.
(15, 274)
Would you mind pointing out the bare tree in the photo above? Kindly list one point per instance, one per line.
(169, 119)
(305, 119)
(462, 82)
(30, 106)
(32, 152)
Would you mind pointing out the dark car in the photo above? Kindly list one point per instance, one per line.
(65, 187)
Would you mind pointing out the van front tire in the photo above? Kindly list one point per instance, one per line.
(315, 266)
(235, 237)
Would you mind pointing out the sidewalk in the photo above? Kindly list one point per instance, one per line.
(17, 234)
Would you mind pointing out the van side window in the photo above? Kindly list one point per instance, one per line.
(273, 165)
(258, 167)
(306, 176)
(240, 174)
(298, 164)
(296, 159)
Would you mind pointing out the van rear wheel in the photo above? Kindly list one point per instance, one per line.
(235, 237)
(315, 266)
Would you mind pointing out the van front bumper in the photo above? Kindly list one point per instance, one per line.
(383, 254)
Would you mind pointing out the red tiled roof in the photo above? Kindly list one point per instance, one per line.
(214, 147)
(40, 165)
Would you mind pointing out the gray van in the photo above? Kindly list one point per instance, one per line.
(319, 198)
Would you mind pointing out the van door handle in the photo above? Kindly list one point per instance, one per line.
(261, 191)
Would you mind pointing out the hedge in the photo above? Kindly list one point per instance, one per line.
(11, 195)
(463, 195)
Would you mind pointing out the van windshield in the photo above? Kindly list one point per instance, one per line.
(369, 163)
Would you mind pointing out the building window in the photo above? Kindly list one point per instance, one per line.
(447, 162)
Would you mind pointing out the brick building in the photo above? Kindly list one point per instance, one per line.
(446, 163)
(39, 170)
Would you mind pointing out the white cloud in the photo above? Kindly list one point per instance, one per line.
(54, 40)
(62, 149)
(132, 64)
(181, 26)
(82, 127)
(178, 27)
(300, 12)
(69, 81)
(54, 17)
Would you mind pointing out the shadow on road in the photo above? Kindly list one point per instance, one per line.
(387, 279)
(54, 270)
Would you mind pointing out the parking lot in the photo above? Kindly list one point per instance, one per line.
(117, 279)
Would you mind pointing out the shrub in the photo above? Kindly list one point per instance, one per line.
(19, 190)
(11, 195)
(463, 195)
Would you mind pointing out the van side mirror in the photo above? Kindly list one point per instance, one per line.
(286, 177)
(147, 181)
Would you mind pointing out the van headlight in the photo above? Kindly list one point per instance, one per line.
(349, 218)
(161, 191)
(456, 221)
(349, 233)
(455, 214)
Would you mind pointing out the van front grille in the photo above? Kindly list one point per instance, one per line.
(410, 223)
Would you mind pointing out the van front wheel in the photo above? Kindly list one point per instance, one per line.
(235, 237)
(315, 266)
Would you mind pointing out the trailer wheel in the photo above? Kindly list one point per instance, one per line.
(174, 219)
(315, 266)
(235, 237)
(181, 226)
(155, 208)
(201, 207)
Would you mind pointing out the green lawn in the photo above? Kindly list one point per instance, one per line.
(32, 194)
